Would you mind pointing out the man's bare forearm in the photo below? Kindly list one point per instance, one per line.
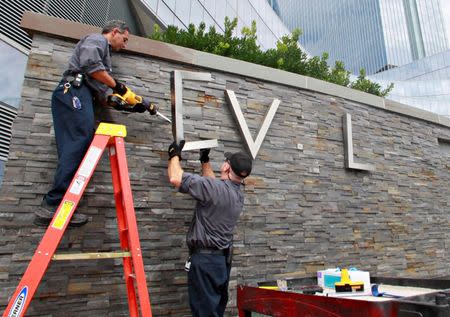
(207, 170)
(103, 77)
(175, 172)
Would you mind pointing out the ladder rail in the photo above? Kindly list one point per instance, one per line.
(133, 234)
(123, 230)
(107, 135)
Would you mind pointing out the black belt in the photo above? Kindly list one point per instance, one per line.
(210, 251)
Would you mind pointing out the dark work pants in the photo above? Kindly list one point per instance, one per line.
(208, 285)
(74, 130)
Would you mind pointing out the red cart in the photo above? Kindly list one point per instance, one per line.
(291, 304)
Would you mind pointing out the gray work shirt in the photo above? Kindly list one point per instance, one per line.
(92, 53)
(219, 204)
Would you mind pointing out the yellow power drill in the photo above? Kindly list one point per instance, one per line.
(133, 103)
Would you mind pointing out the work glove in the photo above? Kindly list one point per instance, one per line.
(175, 149)
(204, 155)
(119, 88)
(152, 108)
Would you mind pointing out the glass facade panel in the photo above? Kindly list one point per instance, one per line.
(445, 10)
(424, 83)
(165, 14)
(13, 68)
(221, 9)
(210, 10)
(170, 4)
(152, 4)
(210, 6)
(182, 10)
(233, 4)
(197, 12)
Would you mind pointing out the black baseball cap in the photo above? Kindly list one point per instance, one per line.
(240, 163)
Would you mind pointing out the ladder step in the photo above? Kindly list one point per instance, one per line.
(91, 256)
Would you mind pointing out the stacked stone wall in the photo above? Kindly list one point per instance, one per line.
(304, 211)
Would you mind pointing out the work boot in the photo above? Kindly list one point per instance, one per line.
(45, 212)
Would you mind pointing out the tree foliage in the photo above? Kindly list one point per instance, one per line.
(364, 84)
(287, 55)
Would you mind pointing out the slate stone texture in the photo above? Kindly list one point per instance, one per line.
(303, 210)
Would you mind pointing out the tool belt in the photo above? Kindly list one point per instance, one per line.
(73, 78)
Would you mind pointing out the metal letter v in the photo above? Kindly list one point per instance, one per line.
(252, 146)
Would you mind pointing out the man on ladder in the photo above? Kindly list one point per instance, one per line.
(84, 84)
(109, 136)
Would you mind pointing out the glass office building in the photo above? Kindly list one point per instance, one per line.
(275, 6)
(398, 41)
(374, 34)
(213, 12)
(424, 83)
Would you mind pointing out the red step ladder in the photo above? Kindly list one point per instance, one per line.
(111, 136)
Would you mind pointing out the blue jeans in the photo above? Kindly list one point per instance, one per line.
(208, 279)
(74, 130)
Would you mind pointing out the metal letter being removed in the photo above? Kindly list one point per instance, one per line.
(176, 89)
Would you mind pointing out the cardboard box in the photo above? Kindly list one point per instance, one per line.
(328, 277)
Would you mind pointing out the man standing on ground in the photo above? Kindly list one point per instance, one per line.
(83, 85)
(210, 236)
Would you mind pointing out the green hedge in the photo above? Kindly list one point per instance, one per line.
(287, 55)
